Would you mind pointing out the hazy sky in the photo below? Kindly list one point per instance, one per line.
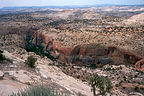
(4, 3)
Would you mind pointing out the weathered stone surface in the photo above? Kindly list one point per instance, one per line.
(1, 75)
(7, 87)
(22, 76)
(56, 75)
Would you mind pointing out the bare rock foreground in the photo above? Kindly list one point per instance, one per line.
(19, 78)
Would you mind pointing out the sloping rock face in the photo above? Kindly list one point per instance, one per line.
(9, 87)
(86, 54)
(71, 84)
(15, 79)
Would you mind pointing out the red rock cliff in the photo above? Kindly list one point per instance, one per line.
(85, 54)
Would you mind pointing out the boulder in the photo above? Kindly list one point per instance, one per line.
(1, 75)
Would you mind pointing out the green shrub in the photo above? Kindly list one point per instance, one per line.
(38, 49)
(125, 79)
(2, 57)
(93, 66)
(37, 90)
(31, 61)
(1, 51)
(136, 89)
(103, 83)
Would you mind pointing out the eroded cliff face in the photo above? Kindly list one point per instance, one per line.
(98, 54)
(46, 46)
(84, 54)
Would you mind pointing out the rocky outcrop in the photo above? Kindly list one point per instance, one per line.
(1, 75)
(98, 54)
(86, 54)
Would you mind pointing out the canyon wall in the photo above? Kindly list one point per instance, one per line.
(92, 55)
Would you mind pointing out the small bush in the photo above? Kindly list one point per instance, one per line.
(78, 77)
(117, 85)
(93, 66)
(31, 61)
(1, 51)
(37, 90)
(136, 89)
(125, 79)
(2, 57)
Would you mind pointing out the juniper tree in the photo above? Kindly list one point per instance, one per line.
(101, 82)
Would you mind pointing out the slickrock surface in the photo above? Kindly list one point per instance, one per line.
(57, 76)
(7, 87)
(18, 78)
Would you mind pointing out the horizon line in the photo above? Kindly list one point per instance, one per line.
(96, 5)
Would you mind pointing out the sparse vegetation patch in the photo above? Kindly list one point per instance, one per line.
(31, 61)
(37, 90)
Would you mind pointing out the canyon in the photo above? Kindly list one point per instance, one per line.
(83, 54)
(72, 44)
